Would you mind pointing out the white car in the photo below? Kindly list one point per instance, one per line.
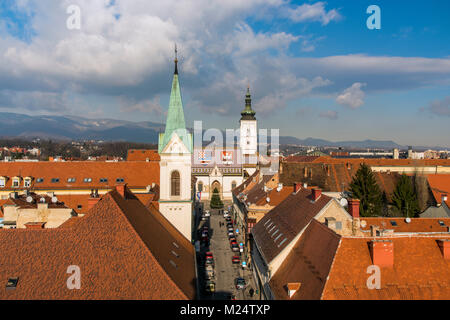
(226, 214)
(207, 213)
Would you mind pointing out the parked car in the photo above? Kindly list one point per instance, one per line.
(230, 230)
(210, 274)
(210, 286)
(209, 261)
(229, 225)
(232, 239)
(240, 283)
(209, 254)
(233, 242)
(228, 219)
(207, 213)
(230, 234)
(226, 214)
(236, 260)
(234, 247)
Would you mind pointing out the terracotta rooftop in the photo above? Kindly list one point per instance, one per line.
(135, 174)
(440, 185)
(285, 222)
(22, 201)
(247, 184)
(416, 225)
(420, 271)
(124, 251)
(275, 196)
(308, 263)
(143, 155)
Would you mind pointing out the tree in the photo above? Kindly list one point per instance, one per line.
(216, 202)
(404, 198)
(365, 188)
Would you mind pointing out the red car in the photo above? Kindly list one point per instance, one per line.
(233, 243)
(209, 254)
(236, 259)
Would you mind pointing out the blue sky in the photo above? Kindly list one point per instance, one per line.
(314, 68)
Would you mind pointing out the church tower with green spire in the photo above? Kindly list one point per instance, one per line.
(249, 128)
(175, 149)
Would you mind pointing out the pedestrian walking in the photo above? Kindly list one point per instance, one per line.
(251, 291)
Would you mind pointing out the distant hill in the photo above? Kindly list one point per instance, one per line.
(13, 125)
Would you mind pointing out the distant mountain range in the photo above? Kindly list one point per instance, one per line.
(13, 125)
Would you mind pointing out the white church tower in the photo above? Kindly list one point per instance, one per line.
(249, 129)
(175, 148)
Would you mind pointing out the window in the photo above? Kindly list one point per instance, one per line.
(338, 225)
(16, 183)
(175, 183)
(27, 183)
(120, 180)
(39, 180)
(200, 186)
(233, 185)
(103, 180)
(55, 180)
(12, 283)
(71, 180)
(87, 180)
(2, 183)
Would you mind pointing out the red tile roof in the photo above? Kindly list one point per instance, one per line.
(424, 225)
(124, 251)
(135, 174)
(419, 272)
(440, 184)
(308, 264)
(143, 155)
(275, 196)
(290, 217)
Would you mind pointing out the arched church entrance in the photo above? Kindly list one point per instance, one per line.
(216, 185)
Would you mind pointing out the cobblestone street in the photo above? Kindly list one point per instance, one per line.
(225, 271)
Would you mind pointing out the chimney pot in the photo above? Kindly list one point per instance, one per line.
(35, 225)
(353, 207)
(297, 187)
(316, 193)
(382, 252)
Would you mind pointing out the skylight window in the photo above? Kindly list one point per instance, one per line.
(120, 180)
(71, 180)
(175, 245)
(103, 180)
(173, 264)
(12, 283)
(39, 180)
(175, 254)
(441, 223)
(87, 180)
(281, 243)
(55, 180)
(394, 223)
(278, 237)
(268, 220)
(276, 231)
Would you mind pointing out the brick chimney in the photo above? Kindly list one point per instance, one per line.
(35, 225)
(297, 187)
(121, 189)
(316, 193)
(353, 207)
(382, 252)
(444, 245)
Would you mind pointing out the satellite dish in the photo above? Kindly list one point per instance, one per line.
(29, 199)
(408, 220)
(344, 202)
(268, 200)
(42, 200)
(54, 199)
(363, 223)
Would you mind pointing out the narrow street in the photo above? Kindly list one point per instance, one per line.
(225, 271)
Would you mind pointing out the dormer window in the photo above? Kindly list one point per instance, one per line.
(120, 180)
(104, 180)
(16, 182)
(39, 180)
(27, 182)
(71, 180)
(87, 180)
(55, 180)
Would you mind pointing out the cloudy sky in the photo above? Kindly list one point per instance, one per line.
(314, 68)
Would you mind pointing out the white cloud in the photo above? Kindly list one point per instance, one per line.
(352, 97)
(314, 12)
(439, 107)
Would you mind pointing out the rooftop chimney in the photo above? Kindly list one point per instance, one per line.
(444, 245)
(353, 207)
(121, 189)
(297, 187)
(35, 225)
(93, 199)
(444, 198)
(292, 288)
(382, 252)
(316, 193)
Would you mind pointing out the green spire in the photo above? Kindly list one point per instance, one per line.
(175, 116)
(248, 113)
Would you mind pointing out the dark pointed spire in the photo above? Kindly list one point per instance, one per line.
(248, 113)
(176, 59)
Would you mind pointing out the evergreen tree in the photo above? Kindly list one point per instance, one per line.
(216, 202)
(404, 198)
(365, 188)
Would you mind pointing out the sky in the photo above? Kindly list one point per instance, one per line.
(314, 67)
